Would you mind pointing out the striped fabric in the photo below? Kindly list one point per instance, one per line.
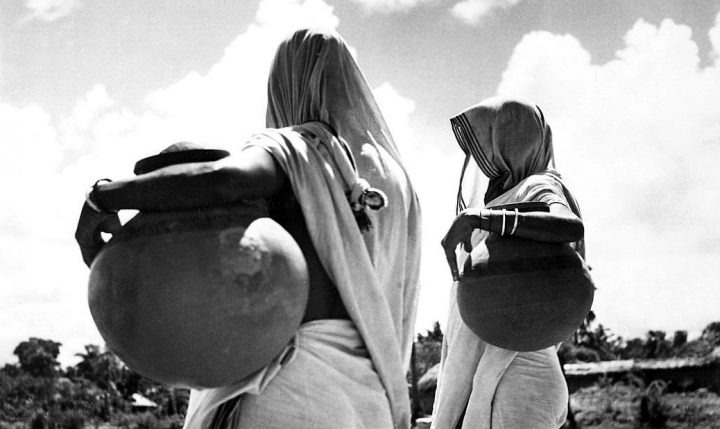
(469, 144)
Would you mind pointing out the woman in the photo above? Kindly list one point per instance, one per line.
(480, 385)
(346, 365)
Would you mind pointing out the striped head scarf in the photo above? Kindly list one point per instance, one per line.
(508, 139)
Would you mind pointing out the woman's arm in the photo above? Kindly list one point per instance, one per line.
(252, 173)
(559, 224)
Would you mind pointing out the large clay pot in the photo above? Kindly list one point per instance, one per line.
(524, 295)
(199, 298)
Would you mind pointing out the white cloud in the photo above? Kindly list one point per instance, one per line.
(389, 6)
(50, 10)
(714, 35)
(397, 110)
(471, 11)
(638, 139)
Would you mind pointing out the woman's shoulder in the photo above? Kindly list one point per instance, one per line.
(545, 186)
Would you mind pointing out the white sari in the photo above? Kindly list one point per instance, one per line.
(334, 136)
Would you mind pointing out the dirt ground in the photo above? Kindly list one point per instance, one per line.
(619, 406)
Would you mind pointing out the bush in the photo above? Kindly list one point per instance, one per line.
(173, 422)
(147, 421)
(584, 354)
(39, 421)
(72, 419)
(652, 409)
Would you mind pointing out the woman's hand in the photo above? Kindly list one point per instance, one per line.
(88, 233)
(460, 232)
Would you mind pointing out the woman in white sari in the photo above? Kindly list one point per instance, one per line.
(480, 385)
(334, 179)
(347, 364)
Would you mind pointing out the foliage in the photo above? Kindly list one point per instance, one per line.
(652, 410)
(38, 357)
(427, 349)
(594, 342)
(99, 388)
(711, 334)
(630, 403)
(147, 421)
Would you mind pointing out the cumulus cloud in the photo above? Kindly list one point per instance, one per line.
(50, 10)
(388, 6)
(636, 138)
(45, 165)
(397, 110)
(472, 11)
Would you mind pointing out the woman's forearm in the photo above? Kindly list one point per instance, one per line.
(252, 174)
(554, 226)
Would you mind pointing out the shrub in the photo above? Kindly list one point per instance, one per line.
(147, 421)
(39, 421)
(72, 419)
(652, 409)
(585, 354)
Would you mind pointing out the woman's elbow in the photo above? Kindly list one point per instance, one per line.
(227, 185)
(576, 230)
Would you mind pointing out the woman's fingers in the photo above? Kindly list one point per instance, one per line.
(111, 225)
(467, 242)
(88, 233)
(460, 232)
(89, 253)
(455, 235)
(452, 263)
(85, 234)
(449, 243)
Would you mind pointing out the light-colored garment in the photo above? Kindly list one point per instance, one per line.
(335, 135)
(315, 78)
(328, 383)
(481, 385)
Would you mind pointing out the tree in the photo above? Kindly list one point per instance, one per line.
(679, 340)
(38, 357)
(105, 370)
(592, 342)
(427, 349)
(656, 346)
(711, 334)
(435, 334)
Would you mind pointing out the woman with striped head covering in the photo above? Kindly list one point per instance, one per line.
(481, 385)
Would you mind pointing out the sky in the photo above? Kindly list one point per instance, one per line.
(630, 89)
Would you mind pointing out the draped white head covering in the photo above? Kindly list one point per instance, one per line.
(317, 90)
(334, 139)
(315, 78)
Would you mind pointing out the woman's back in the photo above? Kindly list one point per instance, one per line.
(324, 300)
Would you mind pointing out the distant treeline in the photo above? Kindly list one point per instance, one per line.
(100, 388)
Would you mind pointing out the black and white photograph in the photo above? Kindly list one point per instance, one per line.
(364, 214)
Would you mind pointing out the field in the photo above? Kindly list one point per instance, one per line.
(625, 407)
